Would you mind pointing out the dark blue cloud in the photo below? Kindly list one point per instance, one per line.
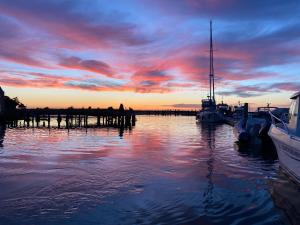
(229, 9)
(261, 89)
(65, 20)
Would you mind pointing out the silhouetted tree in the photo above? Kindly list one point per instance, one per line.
(10, 104)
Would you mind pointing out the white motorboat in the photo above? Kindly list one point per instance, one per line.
(285, 134)
(209, 112)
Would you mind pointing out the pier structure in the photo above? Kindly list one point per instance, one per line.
(86, 118)
(71, 118)
(167, 112)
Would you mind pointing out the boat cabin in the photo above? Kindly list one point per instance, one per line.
(208, 104)
(224, 109)
(223, 106)
(266, 108)
(294, 119)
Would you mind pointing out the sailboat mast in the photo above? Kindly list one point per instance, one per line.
(210, 63)
(211, 69)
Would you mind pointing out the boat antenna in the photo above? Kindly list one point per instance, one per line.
(211, 69)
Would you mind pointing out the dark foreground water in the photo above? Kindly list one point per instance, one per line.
(167, 170)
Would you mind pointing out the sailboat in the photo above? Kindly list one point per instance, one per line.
(209, 112)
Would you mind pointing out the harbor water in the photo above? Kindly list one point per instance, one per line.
(165, 170)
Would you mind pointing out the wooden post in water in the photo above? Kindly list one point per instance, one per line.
(27, 118)
(71, 120)
(48, 120)
(121, 114)
(111, 116)
(67, 121)
(132, 116)
(128, 118)
(85, 121)
(98, 120)
(246, 110)
(58, 120)
(37, 120)
(133, 119)
(79, 120)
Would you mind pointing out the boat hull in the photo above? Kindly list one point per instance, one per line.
(209, 117)
(288, 151)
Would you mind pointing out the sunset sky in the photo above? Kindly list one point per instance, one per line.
(148, 54)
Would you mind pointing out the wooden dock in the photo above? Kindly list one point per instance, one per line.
(70, 118)
(167, 112)
(87, 118)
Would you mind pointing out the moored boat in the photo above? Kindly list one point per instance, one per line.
(209, 112)
(253, 127)
(285, 134)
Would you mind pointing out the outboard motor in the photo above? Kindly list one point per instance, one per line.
(244, 137)
(263, 132)
(254, 134)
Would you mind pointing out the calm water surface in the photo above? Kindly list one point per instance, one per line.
(166, 170)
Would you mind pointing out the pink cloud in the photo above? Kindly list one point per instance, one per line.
(32, 79)
(16, 47)
(261, 89)
(287, 86)
(88, 65)
(161, 64)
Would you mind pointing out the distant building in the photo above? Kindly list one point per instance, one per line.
(2, 103)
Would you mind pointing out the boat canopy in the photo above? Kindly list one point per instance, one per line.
(295, 95)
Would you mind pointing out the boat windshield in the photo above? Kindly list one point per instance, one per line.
(208, 103)
(293, 108)
(294, 124)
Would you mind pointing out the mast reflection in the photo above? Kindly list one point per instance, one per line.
(208, 136)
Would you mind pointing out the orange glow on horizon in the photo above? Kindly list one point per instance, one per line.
(64, 98)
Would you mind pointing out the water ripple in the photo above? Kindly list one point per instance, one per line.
(167, 170)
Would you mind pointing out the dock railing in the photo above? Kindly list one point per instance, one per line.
(279, 123)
